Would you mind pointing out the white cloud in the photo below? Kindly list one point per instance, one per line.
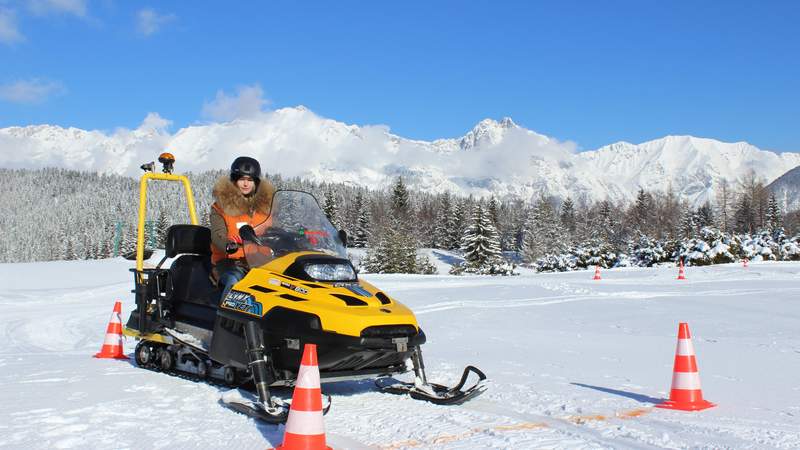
(9, 33)
(149, 22)
(44, 7)
(154, 122)
(31, 91)
(249, 101)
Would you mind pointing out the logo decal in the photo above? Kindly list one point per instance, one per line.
(242, 302)
(289, 286)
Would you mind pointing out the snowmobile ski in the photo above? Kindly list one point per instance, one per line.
(247, 403)
(437, 393)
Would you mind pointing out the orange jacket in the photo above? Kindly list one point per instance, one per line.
(258, 220)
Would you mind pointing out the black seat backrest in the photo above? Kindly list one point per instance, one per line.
(190, 271)
(192, 239)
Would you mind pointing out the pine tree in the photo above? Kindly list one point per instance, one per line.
(705, 216)
(774, 217)
(744, 217)
(519, 219)
(401, 204)
(395, 251)
(687, 225)
(643, 212)
(362, 233)
(69, 250)
(543, 232)
(456, 225)
(105, 249)
(128, 243)
(567, 215)
(493, 212)
(724, 203)
(441, 231)
(481, 242)
(606, 224)
(330, 208)
(162, 226)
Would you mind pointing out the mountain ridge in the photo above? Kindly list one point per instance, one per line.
(493, 158)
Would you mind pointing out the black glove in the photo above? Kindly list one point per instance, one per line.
(232, 247)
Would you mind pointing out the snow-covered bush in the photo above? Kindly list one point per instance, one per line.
(602, 255)
(723, 249)
(760, 247)
(499, 267)
(790, 250)
(624, 260)
(579, 257)
(646, 252)
(694, 252)
(424, 266)
(555, 263)
(711, 246)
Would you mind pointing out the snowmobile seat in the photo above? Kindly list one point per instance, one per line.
(191, 285)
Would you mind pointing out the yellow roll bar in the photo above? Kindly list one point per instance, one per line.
(143, 208)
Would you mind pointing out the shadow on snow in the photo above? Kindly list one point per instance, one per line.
(641, 398)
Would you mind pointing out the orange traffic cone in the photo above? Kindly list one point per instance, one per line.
(112, 346)
(597, 273)
(685, 393)
(681, 273)
(305, 429)
(744, 263)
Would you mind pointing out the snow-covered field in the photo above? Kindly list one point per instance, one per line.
(574, 363)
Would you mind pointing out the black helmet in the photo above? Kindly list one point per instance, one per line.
(245, 165)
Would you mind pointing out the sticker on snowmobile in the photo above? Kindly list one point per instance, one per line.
(242, 302)
(289, 286)
(355, 288)
(313, 236)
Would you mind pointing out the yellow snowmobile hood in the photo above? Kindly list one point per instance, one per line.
(344, 308)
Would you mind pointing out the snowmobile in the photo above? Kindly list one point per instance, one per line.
(301, 288)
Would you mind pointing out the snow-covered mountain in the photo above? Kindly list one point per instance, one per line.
(495, 157)
(787, 189)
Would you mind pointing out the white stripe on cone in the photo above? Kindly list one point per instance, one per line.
(686, 380)
(685, 348)
(308, 377)
(305, 422)
(112, 339)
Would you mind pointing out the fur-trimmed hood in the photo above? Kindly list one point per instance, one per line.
(233, 203)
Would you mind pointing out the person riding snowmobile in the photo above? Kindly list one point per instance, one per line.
(241, 198)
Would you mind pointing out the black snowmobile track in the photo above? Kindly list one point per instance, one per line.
(153, 367)
(250, 409)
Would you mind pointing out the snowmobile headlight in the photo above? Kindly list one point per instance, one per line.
(330, 272)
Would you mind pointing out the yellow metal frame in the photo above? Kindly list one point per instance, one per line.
(143, 208)
(147, 336)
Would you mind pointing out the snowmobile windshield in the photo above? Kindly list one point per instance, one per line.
(296, 224)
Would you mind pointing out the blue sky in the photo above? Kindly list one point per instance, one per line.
(591, 72)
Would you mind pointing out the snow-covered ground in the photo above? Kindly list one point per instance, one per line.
(574, 363)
